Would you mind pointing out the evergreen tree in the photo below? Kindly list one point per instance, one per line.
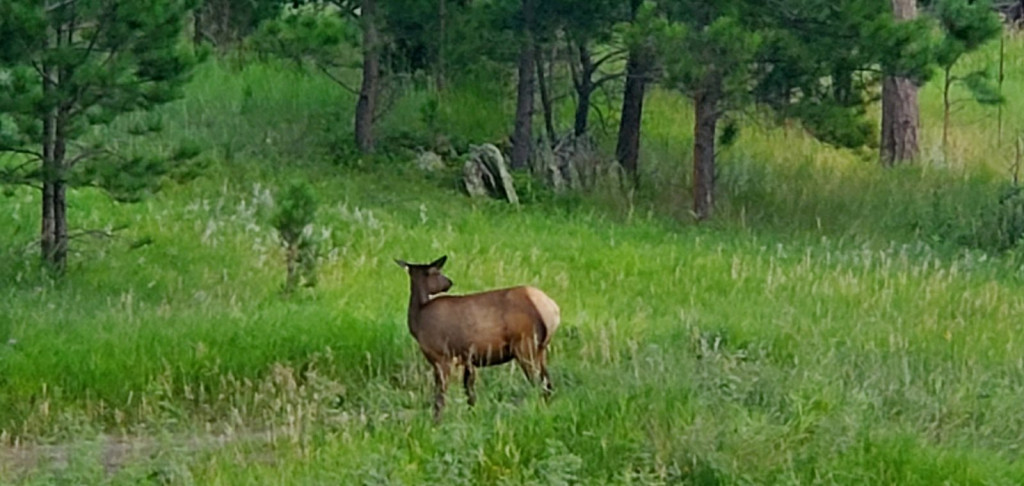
(69, 65)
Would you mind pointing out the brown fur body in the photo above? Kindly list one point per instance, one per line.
(483, 329)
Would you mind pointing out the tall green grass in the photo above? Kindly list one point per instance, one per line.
(822, 331)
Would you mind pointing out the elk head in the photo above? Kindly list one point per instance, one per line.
(426, 280)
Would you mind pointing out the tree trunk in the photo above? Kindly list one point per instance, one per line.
(584, 88)
(522, 136)
(53, 239)
(1001, 76)
(442, 19)
(947, 83)
(705, 105)
(197, 26)
(292, 264)
(900, 116)
(545, 95)
(366, 105)
(627, 150)
(54, 234)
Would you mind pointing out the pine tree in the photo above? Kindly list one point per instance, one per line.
(68, 65)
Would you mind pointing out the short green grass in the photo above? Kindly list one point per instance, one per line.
(825, 329)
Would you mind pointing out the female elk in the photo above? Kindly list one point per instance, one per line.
(483, 329)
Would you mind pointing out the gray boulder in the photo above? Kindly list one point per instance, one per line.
(429, 161)
(486, 174)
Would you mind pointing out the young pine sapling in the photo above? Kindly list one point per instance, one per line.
(966, 26)
(296, 211)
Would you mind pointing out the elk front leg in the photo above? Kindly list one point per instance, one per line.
(441, 371)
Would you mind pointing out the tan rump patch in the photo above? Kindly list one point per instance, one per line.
(548, 310)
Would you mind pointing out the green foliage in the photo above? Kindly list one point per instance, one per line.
(729, 134)
(993, 223)
(582, 20)
(983, 88)
(147, 66)
(78, 65)
(966, 26)
(225, 22)
(723, 49)
(844, 126)
(819, 69)
(293, 219)
(312, 34)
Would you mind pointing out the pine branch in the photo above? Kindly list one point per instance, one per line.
(35, 155)
(85, 155)
(11, 176)
(43, 74)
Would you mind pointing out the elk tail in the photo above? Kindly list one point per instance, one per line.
(550, 315)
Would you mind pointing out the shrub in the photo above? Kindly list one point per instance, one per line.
(296, 210)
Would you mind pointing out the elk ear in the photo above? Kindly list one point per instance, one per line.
(439, 262)
(401, 263)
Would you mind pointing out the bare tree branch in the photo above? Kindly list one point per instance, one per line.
(327, 72)
(601, 118)
(347, 8)
(559, 97)
(58, 6)
(572, 66)
(387, 102)
(608, 56)
(608, 77)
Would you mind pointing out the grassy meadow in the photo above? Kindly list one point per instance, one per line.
(836, 324)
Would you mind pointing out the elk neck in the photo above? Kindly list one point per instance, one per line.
(418, 297)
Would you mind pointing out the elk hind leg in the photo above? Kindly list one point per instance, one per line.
(468, 381)
(533, 362)
(545, 378)
(527, 358)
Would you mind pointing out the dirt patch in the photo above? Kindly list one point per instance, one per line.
(112, 453)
